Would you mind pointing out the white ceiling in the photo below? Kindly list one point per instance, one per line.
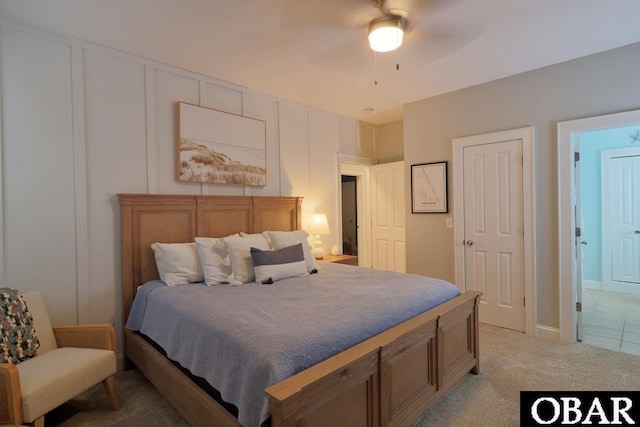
(316, 51)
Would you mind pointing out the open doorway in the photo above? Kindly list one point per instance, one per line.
(358, 189)
(609, 200)
(349, 215)
(573, 137)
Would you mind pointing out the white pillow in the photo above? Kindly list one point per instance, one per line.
(214, 259)
(243, 234)
(282, 239)
(239, 252)
(177, 263)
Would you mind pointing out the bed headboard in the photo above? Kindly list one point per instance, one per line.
(150, 218)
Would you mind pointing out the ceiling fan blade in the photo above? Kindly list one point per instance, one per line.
(327, 13)
(432, 42)
(419, 7)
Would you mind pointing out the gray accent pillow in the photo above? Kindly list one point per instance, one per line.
(270, 266)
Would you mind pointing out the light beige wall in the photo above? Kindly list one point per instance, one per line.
(390, 142)
(600, 84)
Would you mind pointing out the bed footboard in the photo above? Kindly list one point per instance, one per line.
(388, 380)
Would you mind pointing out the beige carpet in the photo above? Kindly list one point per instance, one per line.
(509, 362)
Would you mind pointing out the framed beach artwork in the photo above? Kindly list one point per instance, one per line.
(429, 188)
(216, 147)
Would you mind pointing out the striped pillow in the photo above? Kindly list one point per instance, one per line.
(271, 266)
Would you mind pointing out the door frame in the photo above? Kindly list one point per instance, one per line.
(360, 168)
(568, 138)
(526, 135)
(607, 281)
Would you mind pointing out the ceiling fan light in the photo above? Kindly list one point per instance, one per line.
(386, 34)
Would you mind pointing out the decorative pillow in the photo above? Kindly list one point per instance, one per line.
(243, 234)
(19, 340)
(282, 239)
(178, 263)
(270, 266)
(240, 255)
(214, 259)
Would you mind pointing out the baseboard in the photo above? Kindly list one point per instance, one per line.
(592, 284)
(120, 362)
(548, 333)
(621, 287)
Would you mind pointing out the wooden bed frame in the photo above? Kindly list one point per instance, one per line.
(387, 380)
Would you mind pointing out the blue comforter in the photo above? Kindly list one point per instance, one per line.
(242, 339)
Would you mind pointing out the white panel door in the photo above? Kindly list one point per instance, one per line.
(388, 217)
(493, 230)
(624, 191)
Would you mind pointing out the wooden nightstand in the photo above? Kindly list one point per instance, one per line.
(341, 259)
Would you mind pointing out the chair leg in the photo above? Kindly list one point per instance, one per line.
(39, 422)
(110, 387)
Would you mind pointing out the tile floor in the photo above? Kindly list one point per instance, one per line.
(611, 320)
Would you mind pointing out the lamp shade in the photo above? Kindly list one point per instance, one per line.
(385, 34)
(318, 224)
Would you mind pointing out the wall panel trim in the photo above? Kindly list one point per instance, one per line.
(150, 111)
(80, 182)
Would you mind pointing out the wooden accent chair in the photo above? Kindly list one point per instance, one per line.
(70, 360)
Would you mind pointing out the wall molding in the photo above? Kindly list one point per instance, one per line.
(151, 134)
(72, 41)
(94, 300)
(80, 183)
(156, 65)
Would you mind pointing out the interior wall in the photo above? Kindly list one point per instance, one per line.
(390, 142)
(594, 85)
(82, 123)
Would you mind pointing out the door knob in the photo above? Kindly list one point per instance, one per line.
(637, 231)
(583, 243)
(468, 242)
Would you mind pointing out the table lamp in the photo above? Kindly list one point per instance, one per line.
(317, 226)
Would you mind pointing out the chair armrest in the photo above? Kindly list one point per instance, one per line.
(10, 395)
(100, 336)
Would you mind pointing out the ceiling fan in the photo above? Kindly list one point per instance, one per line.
(386, 32)
(429, 31)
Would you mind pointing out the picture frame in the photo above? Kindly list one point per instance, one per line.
(216, 147)
(429, 188)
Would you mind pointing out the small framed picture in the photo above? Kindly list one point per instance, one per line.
(429, 188)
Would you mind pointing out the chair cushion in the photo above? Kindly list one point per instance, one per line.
(41, 321)
(51, 379)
